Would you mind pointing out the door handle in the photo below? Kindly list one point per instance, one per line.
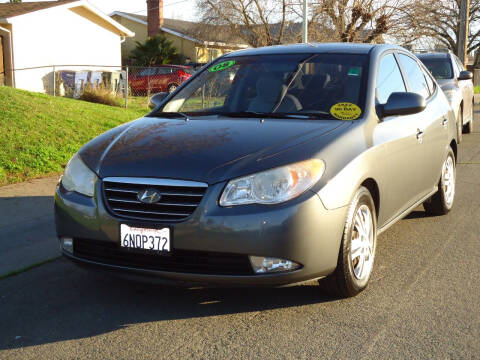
(419, 136)
(445, 122)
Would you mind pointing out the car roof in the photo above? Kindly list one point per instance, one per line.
(433, 55)
(172, 66)
(347, 48)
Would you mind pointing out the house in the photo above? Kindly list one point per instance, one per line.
(198, 43)
(34, 36)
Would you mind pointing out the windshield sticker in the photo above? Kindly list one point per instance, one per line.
(354, 71)
(222, 66)
(345, 111)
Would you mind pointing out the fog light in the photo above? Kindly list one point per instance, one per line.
(66, 244)
(262, 265)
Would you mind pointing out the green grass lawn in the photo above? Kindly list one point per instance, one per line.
(39, 133)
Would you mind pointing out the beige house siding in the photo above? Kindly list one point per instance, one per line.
(190, 49)
(140, 31)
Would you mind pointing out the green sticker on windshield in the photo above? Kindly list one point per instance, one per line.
(222, 66)
(354, 71)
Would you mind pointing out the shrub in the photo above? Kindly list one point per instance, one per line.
(100, 95)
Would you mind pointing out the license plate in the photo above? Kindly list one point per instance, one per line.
(145, 239)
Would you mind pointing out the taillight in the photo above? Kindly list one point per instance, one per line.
(182, 73)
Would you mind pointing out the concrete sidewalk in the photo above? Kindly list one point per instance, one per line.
(27, 230)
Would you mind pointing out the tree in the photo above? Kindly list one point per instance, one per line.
(272, 22)
(15, 1)
(255, 22)
(444, 24)
(156, 50)
(370, 20)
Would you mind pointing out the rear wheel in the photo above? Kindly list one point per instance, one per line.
(442, 202)
(357, 249)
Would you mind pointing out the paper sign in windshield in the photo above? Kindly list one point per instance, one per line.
(345, 111)
(222, 66)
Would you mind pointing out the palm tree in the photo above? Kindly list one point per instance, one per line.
(156, 50)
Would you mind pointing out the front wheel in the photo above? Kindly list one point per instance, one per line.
(171, 88)
(442, 201)
(357, 249)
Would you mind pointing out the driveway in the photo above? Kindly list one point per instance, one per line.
(27, 229)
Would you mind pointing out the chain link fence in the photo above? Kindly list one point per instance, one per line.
(112, 85)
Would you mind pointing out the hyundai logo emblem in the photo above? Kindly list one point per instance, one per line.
(149, 196)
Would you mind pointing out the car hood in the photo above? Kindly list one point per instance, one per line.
(208, 149)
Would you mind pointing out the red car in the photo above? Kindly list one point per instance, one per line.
(165, 78)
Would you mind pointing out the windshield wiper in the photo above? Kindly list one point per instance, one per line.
(170, 115)
(274, 115)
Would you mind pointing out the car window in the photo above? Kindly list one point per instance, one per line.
(389, 79)
(430, 82)
(147, 72)
(164, 71)
(321, 85)
(459, 64)
(440, 68)
(414, 74)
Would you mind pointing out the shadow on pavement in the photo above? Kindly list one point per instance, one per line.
(60, 301)
(27, 232)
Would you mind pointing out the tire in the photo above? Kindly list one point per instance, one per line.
(459, 125)
(442, 201)
(171, 88)
(350, 277)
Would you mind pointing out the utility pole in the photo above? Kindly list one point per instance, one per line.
(305, 22)
(464, 31)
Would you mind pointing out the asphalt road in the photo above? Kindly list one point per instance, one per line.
(423, 302)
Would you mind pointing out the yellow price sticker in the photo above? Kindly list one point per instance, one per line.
(345, 111)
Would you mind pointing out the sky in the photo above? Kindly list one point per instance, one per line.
(173, 9)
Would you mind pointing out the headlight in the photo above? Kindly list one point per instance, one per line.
(273, 186)
(78, 177)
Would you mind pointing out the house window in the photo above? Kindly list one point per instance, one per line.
(212, 54)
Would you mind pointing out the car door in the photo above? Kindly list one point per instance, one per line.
(157, 79)
(466, 87)
(432, 122)
(402, 149)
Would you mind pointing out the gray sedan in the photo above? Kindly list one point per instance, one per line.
(269, 166)
(457, 85)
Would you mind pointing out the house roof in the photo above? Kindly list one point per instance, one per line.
(8, 10)
(201, 33)
(81, 7)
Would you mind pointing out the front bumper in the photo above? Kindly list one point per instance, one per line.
(301, 230)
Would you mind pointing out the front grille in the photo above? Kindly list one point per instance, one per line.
(179, 198)
(182, 261)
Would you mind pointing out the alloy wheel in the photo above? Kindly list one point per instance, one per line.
(362, 243)
(448, 174)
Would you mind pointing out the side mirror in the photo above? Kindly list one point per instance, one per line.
(465, 75)
(156, 99)
(403, 103)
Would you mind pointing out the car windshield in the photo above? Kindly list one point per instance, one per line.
(303, 85)
(440, 68)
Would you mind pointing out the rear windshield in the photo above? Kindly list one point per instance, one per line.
(293, 84)
(441, 69)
